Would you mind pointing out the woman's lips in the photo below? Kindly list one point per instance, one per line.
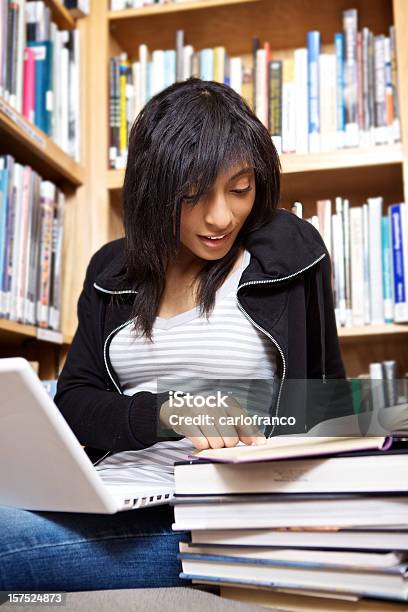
(215, 243)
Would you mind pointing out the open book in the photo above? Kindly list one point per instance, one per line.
(285, 447)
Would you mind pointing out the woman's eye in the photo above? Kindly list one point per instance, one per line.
(244, 190)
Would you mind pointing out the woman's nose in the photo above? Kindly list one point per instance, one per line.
(218, 212)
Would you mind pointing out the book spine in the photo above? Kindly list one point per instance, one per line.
(236, 74)
(255, 47)
(381, 134)
(187, 63)
(179, 54)
(389, 92)
(357, 256)
(376, 275)
(386, 270)
(123, 135)
(340, 106)
(360, 90)
(396, 213)
(275, 103)
(29, 85)
(207, 64)
(366, 266)
(313, 51)
(17, 241)
(288, 107)
(260, 104)
(57, 240)
(394, 80)
(350, 80)
(301, 99)
(47, 208)
(3, 220)
(365, 85)
(340, 265)
(347, 262)
(21, 270)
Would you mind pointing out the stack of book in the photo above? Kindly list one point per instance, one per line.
(40, 71)
(315, 99)
(368, 247)
(307, 516)
(31, 239)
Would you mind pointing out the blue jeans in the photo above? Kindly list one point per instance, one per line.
(65, 551)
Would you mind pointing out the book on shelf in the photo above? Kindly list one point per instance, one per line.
(311, 100)
(368, 246)
(31, 235)
(40, 71)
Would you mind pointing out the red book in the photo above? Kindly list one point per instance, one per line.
(29, 85)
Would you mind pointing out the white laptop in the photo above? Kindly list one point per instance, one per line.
(44, 467)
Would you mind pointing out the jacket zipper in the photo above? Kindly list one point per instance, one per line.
(274, 280)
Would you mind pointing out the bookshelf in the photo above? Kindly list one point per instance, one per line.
(353, 173)
(29, 145)
(61, 15)
(94, 206)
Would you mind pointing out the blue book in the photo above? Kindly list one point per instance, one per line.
(399, 257)
(169, 67)
(43, 84)
(387, 270)
(313, 52)
(340, 106)
(207, 64)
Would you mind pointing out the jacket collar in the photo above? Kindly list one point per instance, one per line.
(282, 248)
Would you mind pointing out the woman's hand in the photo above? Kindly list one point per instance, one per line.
(208, 427)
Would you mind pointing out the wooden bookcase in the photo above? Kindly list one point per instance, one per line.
(94, 193)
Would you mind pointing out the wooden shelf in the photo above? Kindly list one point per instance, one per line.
(372, 331)
(161, 9)
(30, 145)
(14, 333)
(333, 161)
(60, 15)
(344, 158)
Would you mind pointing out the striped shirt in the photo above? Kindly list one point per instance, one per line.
(196, 351)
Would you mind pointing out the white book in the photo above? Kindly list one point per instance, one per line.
(327, 93)
(347, 263)
(143, 59)
(261, 109)
(324, 213)
(366, 261)
(357, 258)
(64, 76)
(23, 251)
(338, 240)
(301, 101)
(136, 102)
(236, 74)
(376, 279)
(158, 71)
(18, 203)
(288, 107)
(187, 58)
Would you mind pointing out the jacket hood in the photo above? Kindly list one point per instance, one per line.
(279, 249)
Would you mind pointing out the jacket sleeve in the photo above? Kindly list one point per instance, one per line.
(328, 390)
(101, 418)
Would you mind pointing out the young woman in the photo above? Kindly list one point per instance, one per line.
(211, 281)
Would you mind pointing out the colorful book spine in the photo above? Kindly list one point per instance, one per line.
(387, 270)
(399, 248)
(340, 107)
(313, 51)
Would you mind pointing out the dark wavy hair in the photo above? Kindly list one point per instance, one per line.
(182, 138)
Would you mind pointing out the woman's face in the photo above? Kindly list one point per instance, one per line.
(221, 212)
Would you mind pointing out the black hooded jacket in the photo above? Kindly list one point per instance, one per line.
(285, 292)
